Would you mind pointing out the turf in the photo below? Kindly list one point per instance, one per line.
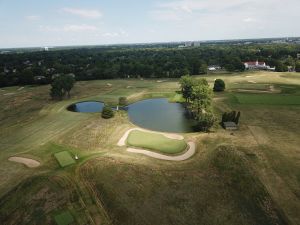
(177, 98)
(156, 142)
(268, 99)
(64, 218)
(64, 158)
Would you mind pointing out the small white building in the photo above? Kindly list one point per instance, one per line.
(214, 68)
(257, 66)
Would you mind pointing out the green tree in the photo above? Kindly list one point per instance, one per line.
(298, 67)
(219, 85)
(57, 90)
(107, 112)
(68, 83)
(61, 85)
(280, 67)
(201, 96)
(26, 77)
(186, 83)
(203, 69)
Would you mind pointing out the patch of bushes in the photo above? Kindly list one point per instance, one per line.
(107, 112)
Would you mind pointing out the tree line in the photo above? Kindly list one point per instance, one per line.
(126, 62)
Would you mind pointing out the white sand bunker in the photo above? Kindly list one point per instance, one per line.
(31, 163)
(186, 155)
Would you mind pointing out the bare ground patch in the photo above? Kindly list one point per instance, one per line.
(31, 163)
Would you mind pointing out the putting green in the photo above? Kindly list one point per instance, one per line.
(155, 142)
(64, 158)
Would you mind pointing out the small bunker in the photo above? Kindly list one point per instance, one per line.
(230, 126)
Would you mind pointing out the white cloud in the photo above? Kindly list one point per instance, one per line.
(84, 13)
(249, 20)
(165, 15)
(32, 17)
(79, 28)
(194, 9)
(49, 28)
(120, 33)
(69, 28)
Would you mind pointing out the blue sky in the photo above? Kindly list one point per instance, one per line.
(25, 23)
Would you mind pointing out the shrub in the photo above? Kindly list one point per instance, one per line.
(205, 121)
(107, 113)
(122, 101)
(219, 85)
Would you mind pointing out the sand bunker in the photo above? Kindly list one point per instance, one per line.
(26, 161)
(188, 154)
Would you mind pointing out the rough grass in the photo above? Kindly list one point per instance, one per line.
(221, 189)
(177, 98)
(156, 142)
(248, 191)
(38, 199)
(64, 158)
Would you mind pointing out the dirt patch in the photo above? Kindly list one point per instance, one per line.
(31, 163)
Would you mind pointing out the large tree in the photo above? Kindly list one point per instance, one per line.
(61, 86)
(186, 83)
(201, 96)
(198, 96)
(68, 83)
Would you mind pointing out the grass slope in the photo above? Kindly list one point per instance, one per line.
(156, 142)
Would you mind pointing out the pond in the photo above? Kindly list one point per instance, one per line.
(86, 107)
(160, 115)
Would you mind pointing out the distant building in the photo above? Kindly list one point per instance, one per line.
(230, 126)
(257, 66)
(298, 55)
(214, 68)
(39, 78)
(58, 75)
(196, 44)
